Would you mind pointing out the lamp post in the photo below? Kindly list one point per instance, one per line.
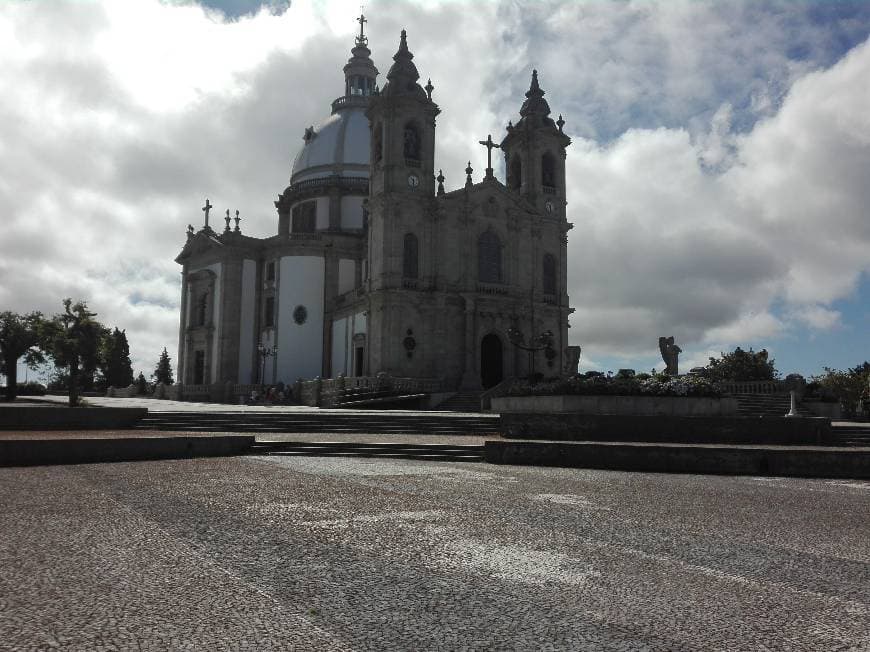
(542, 342)
(265, 352)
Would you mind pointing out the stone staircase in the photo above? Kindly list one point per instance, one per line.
(851, 435)
(427, 452)
(465, 401)
(320, 422)
(766, 405)
(367, 398)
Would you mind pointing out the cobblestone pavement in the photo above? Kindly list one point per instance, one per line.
(271, 553)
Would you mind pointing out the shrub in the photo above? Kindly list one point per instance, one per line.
(30, 389)
(601, 385)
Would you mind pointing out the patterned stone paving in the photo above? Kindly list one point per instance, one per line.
(331, 554)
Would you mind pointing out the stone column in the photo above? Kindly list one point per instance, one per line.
(470, 377)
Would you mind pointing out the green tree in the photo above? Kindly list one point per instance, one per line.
(19, 337)
(72, 339)
(850, 387)
(141, 384)
(116, 366)
(163, 371)
(741, 366)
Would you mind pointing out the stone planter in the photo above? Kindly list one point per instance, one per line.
(619, 405)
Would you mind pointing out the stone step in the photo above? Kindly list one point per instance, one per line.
(431, 452)
(326, 422)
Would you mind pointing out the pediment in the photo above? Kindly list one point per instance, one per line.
(202, 242)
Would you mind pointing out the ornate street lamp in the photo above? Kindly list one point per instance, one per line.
(542, 342)
(265, 352)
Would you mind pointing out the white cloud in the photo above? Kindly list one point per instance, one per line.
(691, 219)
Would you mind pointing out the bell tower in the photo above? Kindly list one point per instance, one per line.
(534, 151)
(402, 118)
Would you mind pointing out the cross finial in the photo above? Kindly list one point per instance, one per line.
(238, 219)
(227, 219)
(489, 147)
(206, 209)
(361, 39)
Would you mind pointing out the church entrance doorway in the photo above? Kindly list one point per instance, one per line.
(491, 361)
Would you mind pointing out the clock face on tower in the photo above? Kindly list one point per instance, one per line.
(413, 180)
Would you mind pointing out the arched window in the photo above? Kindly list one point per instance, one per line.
(489, 258)
(305, 217)
(412, 142)
(548, 170)
(379, 142)
(515, 173)
(409, 256)
(549, 274)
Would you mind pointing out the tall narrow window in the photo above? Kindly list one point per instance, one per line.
(515, 174)
(409, 256)
(305, 217)
(489, 258)
(201, 308)
(198, 367)
(412, 142)
(270, 271)
(379, 142)
(269, 317)
(549, 274)
(548, 170)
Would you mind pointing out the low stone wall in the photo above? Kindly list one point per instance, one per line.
(718, 460)
(626, 405)
(667, 428)
(31, 452)
(824, 409)
(36, 417)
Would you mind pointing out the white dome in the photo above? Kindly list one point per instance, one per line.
(338, 146)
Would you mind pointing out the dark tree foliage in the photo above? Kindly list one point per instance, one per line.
(117, 368)
(141, 384)
(163, 371)
(851, 387)
(19, 337)
(72, 339)
(742, 366)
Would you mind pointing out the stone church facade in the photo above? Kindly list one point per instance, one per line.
(375, 268)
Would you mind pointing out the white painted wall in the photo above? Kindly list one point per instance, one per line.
(322, 213)
(346, 275)
(217, 269)
(352, 212)
(300, 347)
(339, 347)
(247, 319)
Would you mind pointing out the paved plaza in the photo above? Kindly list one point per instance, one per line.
(272, 553)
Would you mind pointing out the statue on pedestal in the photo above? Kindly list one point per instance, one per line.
(670, 354)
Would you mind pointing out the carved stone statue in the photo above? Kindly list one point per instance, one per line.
(572, 359)
(670, 354)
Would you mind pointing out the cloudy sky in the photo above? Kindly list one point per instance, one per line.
(719, 180)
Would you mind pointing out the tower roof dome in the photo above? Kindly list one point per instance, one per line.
(339, 144)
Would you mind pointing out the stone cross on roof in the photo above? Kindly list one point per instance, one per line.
(489, 147)
(361, 39)
(206, 209)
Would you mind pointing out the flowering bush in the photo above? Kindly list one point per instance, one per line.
(601, 385)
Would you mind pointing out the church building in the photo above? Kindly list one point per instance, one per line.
(375, 267)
